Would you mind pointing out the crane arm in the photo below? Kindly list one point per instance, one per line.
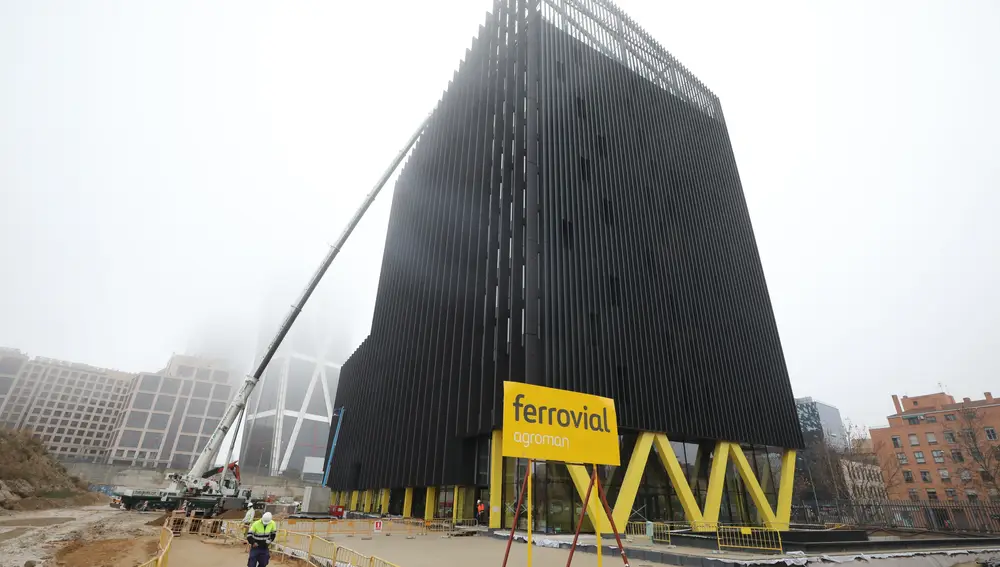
(204, 461)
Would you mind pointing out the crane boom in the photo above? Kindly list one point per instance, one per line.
(204, 461)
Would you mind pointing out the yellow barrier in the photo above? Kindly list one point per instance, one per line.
(749, 537)
(656, 532)
(469, 523)
(309, 546)
(439, 525)
(163, 549)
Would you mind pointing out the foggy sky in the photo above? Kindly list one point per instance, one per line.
(171, 171)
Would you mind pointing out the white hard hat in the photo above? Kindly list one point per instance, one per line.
(266, 518)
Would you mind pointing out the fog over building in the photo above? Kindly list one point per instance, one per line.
(71, 407)
(81, 412)
(289, 413)
(168, 416)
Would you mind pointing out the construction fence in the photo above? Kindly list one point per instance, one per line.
(931, 515)
(748, 538)
(162, 551)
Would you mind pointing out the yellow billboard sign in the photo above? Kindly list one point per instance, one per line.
(558, 425)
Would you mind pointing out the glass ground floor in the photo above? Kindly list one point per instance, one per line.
(557, 504)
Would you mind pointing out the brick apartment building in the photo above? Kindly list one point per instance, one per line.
(933, 448)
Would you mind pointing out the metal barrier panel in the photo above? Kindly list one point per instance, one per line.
(933, 515)
(323, 548)
(469, 523)
(749, 537)
(439, 525)
(310, 546)
(655, 532)
(350, 557)
(635, 530)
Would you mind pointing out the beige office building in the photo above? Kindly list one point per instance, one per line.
(71, 407)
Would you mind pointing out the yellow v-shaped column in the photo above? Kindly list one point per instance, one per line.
(701, 519)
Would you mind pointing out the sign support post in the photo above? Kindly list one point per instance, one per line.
(579, 523)
(528, 478)
(517, 512)
(554, 425)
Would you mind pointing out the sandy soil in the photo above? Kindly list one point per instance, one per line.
(35, 522)
(45, 533)
(440, 551)
(107, 553)
(425, 551)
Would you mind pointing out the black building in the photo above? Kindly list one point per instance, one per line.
(571, 216)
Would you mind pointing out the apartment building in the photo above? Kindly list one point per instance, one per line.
(70, 406)
(167, 417)
(11, 362)
(933, 448)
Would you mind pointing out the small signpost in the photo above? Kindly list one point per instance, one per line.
(378, 526)
(553, 425)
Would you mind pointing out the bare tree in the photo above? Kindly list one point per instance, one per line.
(878, 478)
(978, 459)
(846, 470)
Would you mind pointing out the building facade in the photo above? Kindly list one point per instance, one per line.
(571, 217)
(71, 407)
(289, 414)
(935, 448)
(81, 412)
(167, 417)
(863, 480)
(821, 423)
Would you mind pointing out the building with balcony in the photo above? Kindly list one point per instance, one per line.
(937, 449)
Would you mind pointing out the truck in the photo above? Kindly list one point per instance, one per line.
(213, 489)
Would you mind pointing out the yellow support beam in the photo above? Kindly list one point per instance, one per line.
(431, 503)
(385, 501)
(456, 505)
(631, 480)
(496, 479)
(692, 512)
(786, 486)
(354, 500)
(753, 487)
(408, 502)
(716, 486)
(581, 479)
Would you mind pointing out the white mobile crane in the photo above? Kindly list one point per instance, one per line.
(205, 486)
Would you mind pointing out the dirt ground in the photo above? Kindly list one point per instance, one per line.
(75, 501)
(45, 536)
(438, 551)
(107, 553)
(425, 551)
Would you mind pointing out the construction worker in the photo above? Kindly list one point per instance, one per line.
(261, 534)
(248, 518)
(480, 508)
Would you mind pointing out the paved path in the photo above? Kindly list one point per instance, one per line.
(188, 551)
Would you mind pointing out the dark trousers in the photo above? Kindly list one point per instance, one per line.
(259, 557)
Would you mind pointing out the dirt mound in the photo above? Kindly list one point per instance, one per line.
(107, 552)
(231, 515)
(32, 480)
(158, 521)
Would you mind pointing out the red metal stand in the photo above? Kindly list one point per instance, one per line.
(517, 512)
(595, 479)
(579, 523)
